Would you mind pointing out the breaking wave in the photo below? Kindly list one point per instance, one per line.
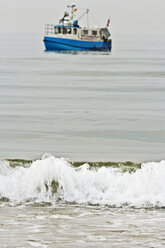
(51, 179)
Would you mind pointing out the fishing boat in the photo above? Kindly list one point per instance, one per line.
(68, 35)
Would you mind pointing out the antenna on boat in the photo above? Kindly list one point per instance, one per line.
(87, 11)
(73, 9)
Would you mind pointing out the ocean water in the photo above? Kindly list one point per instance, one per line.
(85, 106)
(58, 109)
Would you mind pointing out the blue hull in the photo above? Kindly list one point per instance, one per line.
(61, 44)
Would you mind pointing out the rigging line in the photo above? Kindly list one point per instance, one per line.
(95, 19)
(82, 14)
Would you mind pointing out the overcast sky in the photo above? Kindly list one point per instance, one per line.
(127, 16)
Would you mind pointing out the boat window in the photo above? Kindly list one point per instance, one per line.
(69, 30)
(64, 30)
(85, 31)
(94, 32)
(75, 31)
(59, 30)
(56, 30)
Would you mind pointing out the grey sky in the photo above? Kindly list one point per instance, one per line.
(127, 16)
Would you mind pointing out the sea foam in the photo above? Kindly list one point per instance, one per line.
(52, 179)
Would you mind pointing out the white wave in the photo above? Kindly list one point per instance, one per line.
(110, 186)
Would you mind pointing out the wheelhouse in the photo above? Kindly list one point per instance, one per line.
(72, 32)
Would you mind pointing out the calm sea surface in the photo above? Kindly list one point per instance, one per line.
(84, 107)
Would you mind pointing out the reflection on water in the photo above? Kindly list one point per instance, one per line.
(79, 52)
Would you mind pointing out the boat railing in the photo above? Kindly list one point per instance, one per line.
(49, 29)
